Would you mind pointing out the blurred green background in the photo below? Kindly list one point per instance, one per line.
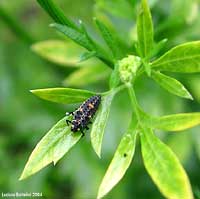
(24, 119)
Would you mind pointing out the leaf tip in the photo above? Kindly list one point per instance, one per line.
(190, 97)
(97, 150)
(52, 25)
(55, 162)
(165, 40)
(101, 193)
(99, 155)
(22, 177)
(33, 91)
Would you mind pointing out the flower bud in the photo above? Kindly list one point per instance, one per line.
(128, 67)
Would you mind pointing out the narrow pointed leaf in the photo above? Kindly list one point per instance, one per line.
(87, 75)
(184, 58)
(85, 41)
(99, 124)
(120, 162)
(176, 122)
(157, 48)
(63, 95)
(87, 55)
(56, 13)
(59, 52)
(109, 39)
(89, 38)
(145, 29)
(171, 85)
(164, 167)
(73, 34)
(52, 147)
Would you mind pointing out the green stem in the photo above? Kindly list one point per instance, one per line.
(134, 102)
(115, 90)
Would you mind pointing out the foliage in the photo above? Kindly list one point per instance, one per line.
(145, 55)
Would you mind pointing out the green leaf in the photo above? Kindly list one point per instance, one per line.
(164, 167)
(56, 13)
(85, 32)
(157, 48)
(120, 162)
(99, 124)
(176, 122)
(52, 147)
(87, 55)
(87, 75)
(100, 52)
(170, 84)
(76, 36)
(84, 40)
(184, 58)
(145, 30)
(59, 52)
(109, 38)
(63, 95)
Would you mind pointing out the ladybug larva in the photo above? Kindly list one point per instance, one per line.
(83, 115)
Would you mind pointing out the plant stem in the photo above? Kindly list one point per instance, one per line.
(134, 102)
(114, 90)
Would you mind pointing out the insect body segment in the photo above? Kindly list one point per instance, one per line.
(83, 115)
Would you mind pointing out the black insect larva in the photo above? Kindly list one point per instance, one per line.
(83, 115)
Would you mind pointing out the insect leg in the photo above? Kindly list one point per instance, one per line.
(87, 128)
(83, 134)
(69, 113)
(68, 121)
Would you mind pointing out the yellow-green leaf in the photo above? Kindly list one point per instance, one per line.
(184, 58)
(63, 95)
(120, 162)
(59, 52)
(145, 29)
(164, 167)
(176, 122)
(52, 147)
(99, 124)
(87, 75)
(170, 84)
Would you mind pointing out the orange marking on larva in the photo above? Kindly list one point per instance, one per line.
(91, 105)
(81, 116)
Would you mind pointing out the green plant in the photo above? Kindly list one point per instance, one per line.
(128, 64)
